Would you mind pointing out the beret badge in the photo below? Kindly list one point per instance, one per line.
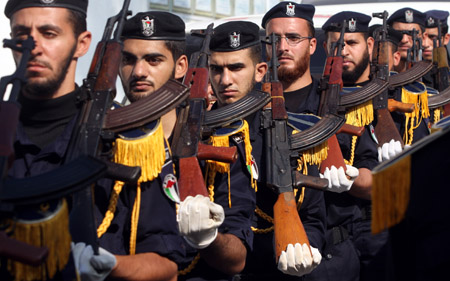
(290, 9)
(409, 16)
(148, 27)
(235, 40)
(47, 1)
(352, 25)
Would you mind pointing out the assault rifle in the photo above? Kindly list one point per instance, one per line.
(188, 132)
(88, 137)
(9, 113)
(331, 86)
(288, 228)
(385, 128)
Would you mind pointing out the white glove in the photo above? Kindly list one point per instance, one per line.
(337, 178)
(389, 150)
(297, 260)
(89, 266)
(198, 219)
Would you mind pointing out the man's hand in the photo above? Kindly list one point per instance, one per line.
(340, 180)
(298, 261)
(389, 150)
(92, 267)
(198, 219)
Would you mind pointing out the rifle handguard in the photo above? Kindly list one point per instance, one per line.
(418, 70)
(351, 130)
(221, 154)
(301, 180)
(145, 110)
(230, 113)
(21, 252)
(394, 105)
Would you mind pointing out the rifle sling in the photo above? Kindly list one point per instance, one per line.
(315, 135)
(63, 181)
(364, 94)
(417, 71)
(440, 99)
(145, 110)
(228, 114)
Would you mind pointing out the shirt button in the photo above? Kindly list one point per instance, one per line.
(329, 256)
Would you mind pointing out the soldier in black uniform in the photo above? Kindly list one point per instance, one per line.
(230, 185)
(143, 233)
(432, 18)
(50, 106)
(413, 126)
(235, 68)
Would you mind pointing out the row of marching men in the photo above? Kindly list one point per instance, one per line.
(288, 197)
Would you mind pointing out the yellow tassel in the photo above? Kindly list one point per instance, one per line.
(360, 115)
(220, 167)
(148, 152)
(413, 119)
(135, 220)
(390, 194)
(51, 232)
(109, 216)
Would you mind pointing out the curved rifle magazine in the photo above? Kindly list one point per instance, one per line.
(244, 107)
(145, 110)
(315, 135)
(418, 70)
(67, 179)
(364, 94)
(440, 99)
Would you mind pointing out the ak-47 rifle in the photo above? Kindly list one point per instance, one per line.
(440, 75)
(385, 128)
(9, 113)
(88, 136)
(288, 228)
(187, 148)
(331, 86)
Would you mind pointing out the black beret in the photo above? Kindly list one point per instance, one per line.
(392, 35)
(407, 15)
(14, 5)
(154, 25)
(433, 16)
(356, 22)
(234, 36)
(289, 10)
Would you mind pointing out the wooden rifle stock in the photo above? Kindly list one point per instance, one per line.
(385, 128)
(221, 154)
(288, 228)
(329, 101)
(21, 252)
(394, 105)
(351, 130)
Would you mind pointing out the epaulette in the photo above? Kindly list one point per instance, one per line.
(239, 132)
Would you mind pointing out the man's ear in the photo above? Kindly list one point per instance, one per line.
(446, 38)
(181, 66)
(260, 71)
(83, 43)
(397, 57)
(312, 46)
(370, 44)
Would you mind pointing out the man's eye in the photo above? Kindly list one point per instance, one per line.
(293, 39)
